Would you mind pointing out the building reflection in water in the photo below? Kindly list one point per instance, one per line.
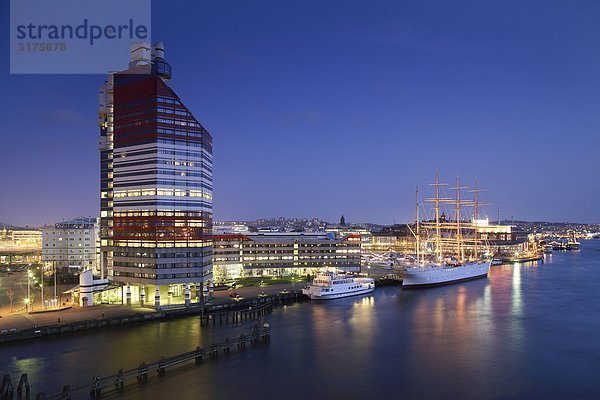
(517, 303)
(362, 320)
(356, 321)
(453, 332)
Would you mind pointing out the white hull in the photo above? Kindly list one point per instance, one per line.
(440, 275)
(330, 296)
(330, 285)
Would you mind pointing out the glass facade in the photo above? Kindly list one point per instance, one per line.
(156, 182)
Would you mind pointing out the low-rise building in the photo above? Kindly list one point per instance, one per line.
(20, 238)
(26, 237)
(493, 233)
(340, 231)
(20, 246)
(282, 253)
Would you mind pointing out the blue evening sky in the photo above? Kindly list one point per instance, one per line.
(319, 108)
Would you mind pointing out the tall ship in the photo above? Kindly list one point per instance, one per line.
(568, 243)
(572, 243)
(447, 251)
(329, 285)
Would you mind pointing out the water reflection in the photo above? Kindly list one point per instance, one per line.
(510, 336)
(517, 304)
(34, 365)
(362, 319)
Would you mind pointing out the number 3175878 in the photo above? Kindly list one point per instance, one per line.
(28, 46)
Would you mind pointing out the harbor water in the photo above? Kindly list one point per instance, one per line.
(528, 331)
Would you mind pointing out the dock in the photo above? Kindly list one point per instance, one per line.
(388, 280)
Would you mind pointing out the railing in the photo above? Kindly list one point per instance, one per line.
(103, 385)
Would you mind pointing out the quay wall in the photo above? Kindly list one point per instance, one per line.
(235, 311)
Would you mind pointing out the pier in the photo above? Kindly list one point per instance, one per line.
(388, 280)
(100, 386)
(227, 316)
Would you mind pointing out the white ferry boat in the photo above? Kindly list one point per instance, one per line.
(331, 285)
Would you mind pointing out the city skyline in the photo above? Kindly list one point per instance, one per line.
(328, 116)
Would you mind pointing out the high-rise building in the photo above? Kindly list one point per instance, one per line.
(156, 185)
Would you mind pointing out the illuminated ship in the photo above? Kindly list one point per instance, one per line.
(331, 285)
(453, 252)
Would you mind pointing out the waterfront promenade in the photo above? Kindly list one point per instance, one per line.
(22, 320)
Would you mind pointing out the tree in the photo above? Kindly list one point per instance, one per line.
(10, 293)
(31, 298)
(221, 274)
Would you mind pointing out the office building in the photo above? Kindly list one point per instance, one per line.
(156, 185)
(280, 254)
(73, 244)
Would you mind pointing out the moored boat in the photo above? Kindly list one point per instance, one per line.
(331, 285)
(456, 253)
(436, 275)
(521, 258)
(572, 243)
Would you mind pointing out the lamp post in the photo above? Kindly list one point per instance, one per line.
(42, 283)
(28, 299)
(55, 298)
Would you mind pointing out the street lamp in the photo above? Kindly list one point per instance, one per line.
(27, 300)
(55, 298)
(42, 283)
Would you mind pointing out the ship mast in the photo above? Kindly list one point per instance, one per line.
(476, 218)
(476, 193)
(460, 248)
(438, 226)
(476, 204)
(418, 237)
(438, 238)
